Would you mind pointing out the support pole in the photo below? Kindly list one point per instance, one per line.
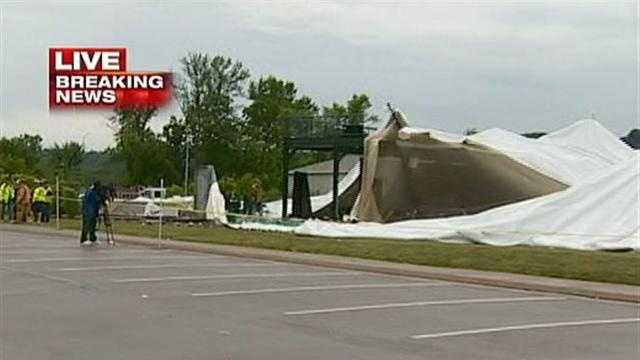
(57, 203)
(285, 180)
(186, 167)
(361, 161)
(336, 172)
(285, 167)
(160, 214)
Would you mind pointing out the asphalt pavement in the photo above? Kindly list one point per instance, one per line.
(62, 301)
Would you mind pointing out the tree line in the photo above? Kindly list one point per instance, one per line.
(227, 119)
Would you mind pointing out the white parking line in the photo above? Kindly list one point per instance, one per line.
(46, 276)
(526, 327)
(62, 252)
(234, 276)
(91, 258)
(162, 266)
(423, 303)
(26, 247)
(319, 288)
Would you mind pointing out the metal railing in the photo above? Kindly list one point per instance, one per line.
(323, 126)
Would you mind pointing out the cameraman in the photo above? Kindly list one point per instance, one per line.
(92, 201)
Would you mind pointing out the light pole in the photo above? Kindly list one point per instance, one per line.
(186, 164)
(57, 203)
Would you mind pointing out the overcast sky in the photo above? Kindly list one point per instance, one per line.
(448, 65)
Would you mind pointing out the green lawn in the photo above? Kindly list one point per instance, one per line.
(600, 266)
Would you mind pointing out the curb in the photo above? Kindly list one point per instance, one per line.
(605, 291)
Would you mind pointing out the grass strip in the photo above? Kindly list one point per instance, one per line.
(600, 266)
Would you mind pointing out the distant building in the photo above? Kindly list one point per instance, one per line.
(320, 175)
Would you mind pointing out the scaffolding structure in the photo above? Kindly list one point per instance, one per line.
(323, 134)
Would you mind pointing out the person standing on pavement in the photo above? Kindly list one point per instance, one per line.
(48, 202)
(4, 184)
(23, 201)
(10, 200)
(39, 198)
(92, 201)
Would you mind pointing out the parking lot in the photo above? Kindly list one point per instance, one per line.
(61, 301)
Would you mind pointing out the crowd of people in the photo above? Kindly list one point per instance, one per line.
(21, 202)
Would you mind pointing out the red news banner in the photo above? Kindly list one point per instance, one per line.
(98, 77)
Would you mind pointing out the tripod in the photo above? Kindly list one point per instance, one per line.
(108, 226)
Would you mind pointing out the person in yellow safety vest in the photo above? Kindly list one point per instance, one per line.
(23, 202)
(48, 202)
(39, 199)
(7, 200)
(3, 201)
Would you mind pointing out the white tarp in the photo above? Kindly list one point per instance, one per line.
(215, 204)
(600, 209)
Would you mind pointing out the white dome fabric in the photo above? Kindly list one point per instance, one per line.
(600, 213)
(600, 210)
(568, 155)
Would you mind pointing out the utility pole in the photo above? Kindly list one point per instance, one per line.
(160, 214)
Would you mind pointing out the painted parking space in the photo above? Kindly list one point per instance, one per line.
(202, 302)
